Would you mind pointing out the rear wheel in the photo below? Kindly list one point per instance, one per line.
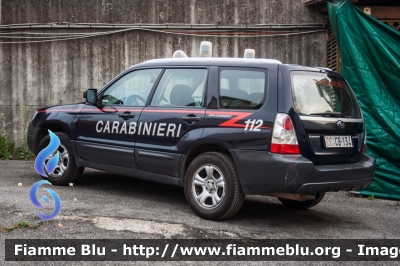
(212, 186)
(295, 204)
(66, 170)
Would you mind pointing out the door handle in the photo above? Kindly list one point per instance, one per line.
(190, 119)
(126, 115)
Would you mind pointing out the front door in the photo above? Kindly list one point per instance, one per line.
(106, 132)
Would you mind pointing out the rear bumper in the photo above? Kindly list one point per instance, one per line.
(313, 188)
(263, 172)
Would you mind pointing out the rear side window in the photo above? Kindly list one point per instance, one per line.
(321, 94)
(180, 88)
(242, 88)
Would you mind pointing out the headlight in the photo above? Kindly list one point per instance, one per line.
(34, 115)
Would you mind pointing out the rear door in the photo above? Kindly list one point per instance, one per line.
(173, 119)
(330, 116)
(246, 108)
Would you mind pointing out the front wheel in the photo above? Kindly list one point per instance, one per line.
(212, 186)
(66, 170)
(294, 204)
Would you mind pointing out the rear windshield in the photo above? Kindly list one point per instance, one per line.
(320, 94)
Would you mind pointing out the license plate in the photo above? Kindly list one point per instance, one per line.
(338, 142)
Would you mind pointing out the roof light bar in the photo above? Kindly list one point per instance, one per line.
(249, 53)
(179, 54)
(205, 49)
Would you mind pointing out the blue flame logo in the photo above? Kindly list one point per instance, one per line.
(45, 169)
(40, 166)
(35, 200)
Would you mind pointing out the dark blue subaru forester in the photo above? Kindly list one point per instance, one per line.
(222, 128)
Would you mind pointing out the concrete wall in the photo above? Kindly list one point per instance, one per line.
(40, 74)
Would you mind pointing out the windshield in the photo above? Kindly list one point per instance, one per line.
(320, 94)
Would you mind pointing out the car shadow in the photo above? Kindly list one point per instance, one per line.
(119, 185)
(256, 209)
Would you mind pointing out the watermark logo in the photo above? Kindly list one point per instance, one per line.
(44, 169)
(35, 200)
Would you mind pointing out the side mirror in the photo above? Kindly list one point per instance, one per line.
(90, 95)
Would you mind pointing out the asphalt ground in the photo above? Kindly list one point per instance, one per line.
(109, 206)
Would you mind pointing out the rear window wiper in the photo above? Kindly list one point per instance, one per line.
(333, 114)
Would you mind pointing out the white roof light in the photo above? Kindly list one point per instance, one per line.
(205, 49)
(179, 54)
(249, 53)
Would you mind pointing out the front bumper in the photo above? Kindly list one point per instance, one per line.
(32, 137)
(263, 172)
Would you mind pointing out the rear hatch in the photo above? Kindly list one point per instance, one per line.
(331, 128)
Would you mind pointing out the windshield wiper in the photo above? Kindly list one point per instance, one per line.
(333, 114)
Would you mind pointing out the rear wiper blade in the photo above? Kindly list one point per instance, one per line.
(334, 114)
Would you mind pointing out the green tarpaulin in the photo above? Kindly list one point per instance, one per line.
(370, 52)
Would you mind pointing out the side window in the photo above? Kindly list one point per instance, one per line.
(242, 88)
(132, 89)
(181, 87)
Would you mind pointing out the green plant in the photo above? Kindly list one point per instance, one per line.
(23, 152)
(6, 148)
(398, 203)
(22, 224)
(372, 197)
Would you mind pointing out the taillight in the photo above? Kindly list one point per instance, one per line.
(364, 150)
(284, 138)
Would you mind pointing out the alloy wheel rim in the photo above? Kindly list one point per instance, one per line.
(208, 186)
(62, 164)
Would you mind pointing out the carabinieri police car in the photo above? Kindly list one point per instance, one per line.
(222, 128)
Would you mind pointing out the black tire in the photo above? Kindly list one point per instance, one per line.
(223, 200)
(71, 173)
(301, 205)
